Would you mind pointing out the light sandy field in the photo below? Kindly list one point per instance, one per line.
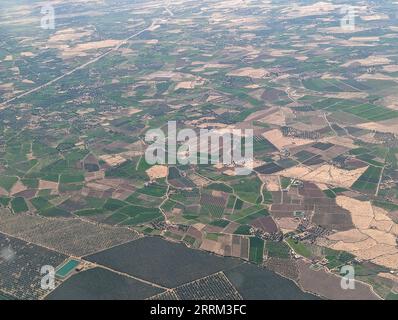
(157, 172)
(6, 86)
(214, 97)
(198, 180)
(220, 111)
(82, 112)
(249, 51)
(389, 276)
(230, 172)
(370, 138)
(189, 84)
(352, 235)
(348, 43)
(361, 211)
(280, 141)
(112, 160)
(252, 164)
(375, 76)
(131, 111)
(348, 95)
(68, 34)
(321, 186)
(97, 186)
(364, 39)
(301, 58)
(341, 141)
(318, 8)
(391, 68)
(209, 66)
(27, 54)
(383, 126)
(370, 61)
(175, 76)
(212, 125)
(388, 260)
(28, 15)
(27, 81)
(317, 122)
(228, 4)
(340, 30)
(3, 192)
(287, 224)
(212, 246)
(18, 187)
(374, 17)
(374, 236)
(44, 185)
(91, 176)
(271, 182)
(250, 72)
(281, 53)
(260, 114)
(327, 174)
(355, 247)
(279, 117)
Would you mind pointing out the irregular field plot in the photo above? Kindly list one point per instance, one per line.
(102, 284)
(161, 262)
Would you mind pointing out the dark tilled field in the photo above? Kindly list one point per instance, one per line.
(256, 283)
(161, 262)
(265, 223)
(20, 272)
(102, 284)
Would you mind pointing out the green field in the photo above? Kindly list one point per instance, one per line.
(256, 251)
(368, 181)
(248, 189)
(19, 205)
(7, 182)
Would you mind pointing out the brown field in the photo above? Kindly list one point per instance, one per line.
(384, 126)
(113, 160)
(327, 174)
(44, 185)
(18, 187)
(278, 140)
(287, 224)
